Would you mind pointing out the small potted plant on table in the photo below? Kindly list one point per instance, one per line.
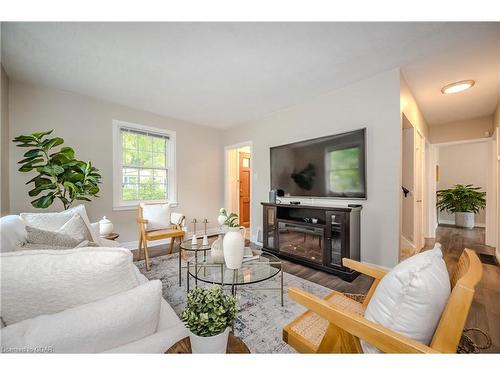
(464, 201)
(208, 315)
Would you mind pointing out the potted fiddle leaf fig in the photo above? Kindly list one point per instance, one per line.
(208, 315)
(464, 201)
(60, 176)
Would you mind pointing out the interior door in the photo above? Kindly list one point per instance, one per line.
(244, 172)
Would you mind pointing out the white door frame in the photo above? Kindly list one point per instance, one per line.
(419, 181)
(226, 179)
(431, 161)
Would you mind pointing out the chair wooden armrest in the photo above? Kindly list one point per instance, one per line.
(142, 221)
(366, 269)
(384, 339)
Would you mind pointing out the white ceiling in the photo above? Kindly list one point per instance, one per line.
(226, 74)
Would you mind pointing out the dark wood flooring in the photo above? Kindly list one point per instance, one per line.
(485, 310)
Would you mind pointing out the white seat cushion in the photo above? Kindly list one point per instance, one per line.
(411, 297)
(94, 327)
(39, 282)
(52, 221)
(157, 215)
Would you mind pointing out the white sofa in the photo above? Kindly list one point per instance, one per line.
(90, 299)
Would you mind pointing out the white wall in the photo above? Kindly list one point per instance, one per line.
(86, 125)
(464, 163)
(479, 127)
(4, 143)
(372, 103)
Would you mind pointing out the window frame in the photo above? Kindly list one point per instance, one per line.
(118, 203)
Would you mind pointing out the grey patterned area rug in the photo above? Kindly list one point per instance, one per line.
(261, 318)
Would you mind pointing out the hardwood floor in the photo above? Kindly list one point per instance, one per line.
(485, 310)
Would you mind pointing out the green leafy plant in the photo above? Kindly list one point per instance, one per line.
(208, 311)
(230, 219)
(60, 175)
(461, 198)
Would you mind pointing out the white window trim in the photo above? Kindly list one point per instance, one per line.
(118, 203)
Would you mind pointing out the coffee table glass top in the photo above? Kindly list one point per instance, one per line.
(263, 267)
(187, 245)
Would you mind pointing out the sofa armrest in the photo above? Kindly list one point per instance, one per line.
(12, 232)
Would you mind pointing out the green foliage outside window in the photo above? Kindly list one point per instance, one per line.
(144, 172)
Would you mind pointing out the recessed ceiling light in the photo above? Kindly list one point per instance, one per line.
(455, 87)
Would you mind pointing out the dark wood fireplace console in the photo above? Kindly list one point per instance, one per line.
(315, 236)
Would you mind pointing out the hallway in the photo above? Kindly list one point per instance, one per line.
(485, 310)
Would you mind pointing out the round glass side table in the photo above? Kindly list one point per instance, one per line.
(196, 248)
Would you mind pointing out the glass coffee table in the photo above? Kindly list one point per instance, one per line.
(263, 266)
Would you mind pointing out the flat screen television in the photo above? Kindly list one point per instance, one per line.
(332, 166)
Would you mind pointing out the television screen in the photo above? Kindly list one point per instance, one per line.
(332, 166)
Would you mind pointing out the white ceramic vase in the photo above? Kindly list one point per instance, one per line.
(105, 226)
(234, 247)
(216, 252)
(211, 344)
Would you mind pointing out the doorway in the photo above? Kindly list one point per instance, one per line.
(238, 182)
(412, 190)
(469, 162)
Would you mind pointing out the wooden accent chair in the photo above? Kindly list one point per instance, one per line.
(174, 231)
(336, 324)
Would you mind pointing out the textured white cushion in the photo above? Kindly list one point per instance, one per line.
(70, 235)
(52, 221)
(157, 215)
(93, 327)
(411, 297)
(48, 281)
(12, 233)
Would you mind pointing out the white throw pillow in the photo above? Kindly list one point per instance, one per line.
(94, 327)
(411, 297)
(52, 221)
(37, 282)
(70, 235)
(12, 233)
(157, 215)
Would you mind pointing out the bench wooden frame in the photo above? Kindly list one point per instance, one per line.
(346, 329)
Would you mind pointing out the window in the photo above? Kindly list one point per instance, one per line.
(344, 170)
(144, 167)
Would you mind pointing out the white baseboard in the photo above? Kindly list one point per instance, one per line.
(452, 222)
(133, 245)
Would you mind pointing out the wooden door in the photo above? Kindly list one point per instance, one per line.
(244, 180)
